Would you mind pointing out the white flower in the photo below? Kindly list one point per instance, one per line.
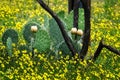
(34, 28)
(74, 30)
(80, 32)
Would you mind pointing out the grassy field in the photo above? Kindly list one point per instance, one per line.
(105, 23)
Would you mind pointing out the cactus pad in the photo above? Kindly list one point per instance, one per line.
(57, 37)
(27, 33)
(10, 33)
(42, 41)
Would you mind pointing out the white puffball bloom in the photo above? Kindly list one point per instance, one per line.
(74, 30)
(34, 28)
(80, 32)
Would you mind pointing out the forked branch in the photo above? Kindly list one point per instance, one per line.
(101, 46)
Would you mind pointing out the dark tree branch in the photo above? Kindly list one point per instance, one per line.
(101, 46)
(97, 52)
(76, 14)
(70, 5)
(86, 38)
(111, 49)
(61, 26)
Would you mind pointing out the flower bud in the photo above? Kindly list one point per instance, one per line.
(74, 30)
(80, 32)
(34, 28)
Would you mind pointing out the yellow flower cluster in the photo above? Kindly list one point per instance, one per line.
(22, 65)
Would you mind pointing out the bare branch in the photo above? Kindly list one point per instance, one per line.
(111, 49)
(70, 5)
(97, 52)
(76, 14)
(101, 46)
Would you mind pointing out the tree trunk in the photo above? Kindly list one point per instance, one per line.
(86, 38)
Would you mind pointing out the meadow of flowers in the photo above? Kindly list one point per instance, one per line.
(105, 23)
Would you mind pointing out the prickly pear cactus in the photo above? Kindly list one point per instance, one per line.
(57, 38)
(27, 33)
(10, 33)
(42, 41)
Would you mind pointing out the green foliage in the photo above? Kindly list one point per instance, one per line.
(9, 46)
(9, 37)
(46, 22)
(35, 20)
(110, 3)
(39, 40)
(27, 33)
(57, 38)
(68, 19)
(109, 6)
(61, 14)
(10, 33)
(23, 47)
(42, 41)
(55, 33)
